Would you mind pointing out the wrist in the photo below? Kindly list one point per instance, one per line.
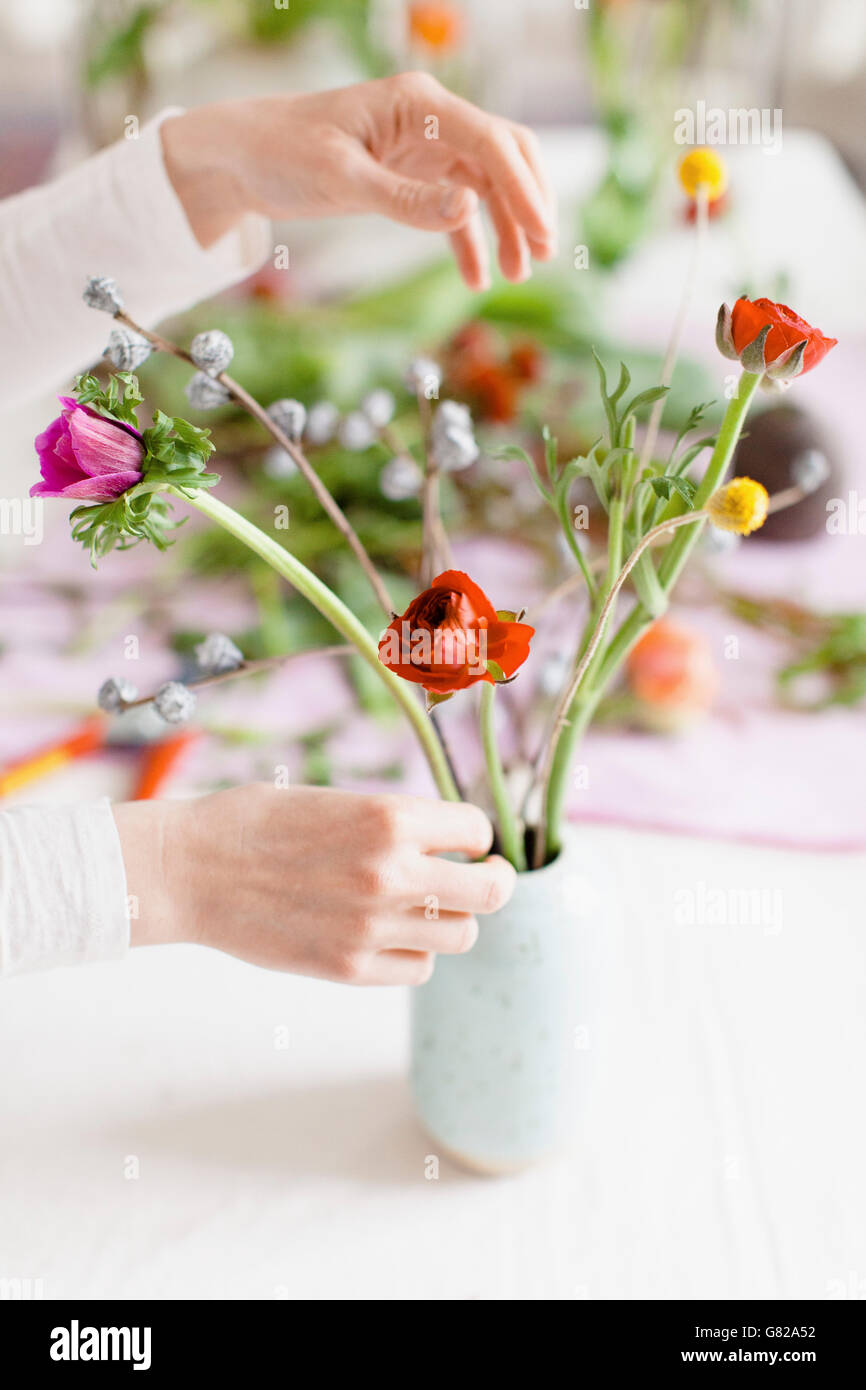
(199, 157)
(148, 834)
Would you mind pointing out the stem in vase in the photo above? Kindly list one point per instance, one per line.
(509, 829)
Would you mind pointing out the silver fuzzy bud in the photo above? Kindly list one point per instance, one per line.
(810, 470)
(174, 702)
(290, 416)
(127, 349)
(218, 653)
(424, 377)
(322, 422)
(203, 393)
(356, 433)
(452, 438)
(379, 407)
(278, 463)
(115, 694)
(101, 292)
(212, 350)
(400, 479)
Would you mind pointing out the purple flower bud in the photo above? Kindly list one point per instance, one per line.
(85, 455)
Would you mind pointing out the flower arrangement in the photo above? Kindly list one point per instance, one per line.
(127, 479)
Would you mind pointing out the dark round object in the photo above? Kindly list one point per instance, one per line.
(774, 441)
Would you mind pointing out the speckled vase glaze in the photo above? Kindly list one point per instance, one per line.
(496, 1032)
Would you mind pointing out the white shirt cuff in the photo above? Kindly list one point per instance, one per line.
(63, 895)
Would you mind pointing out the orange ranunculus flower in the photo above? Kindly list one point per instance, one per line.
(449, 633)
(436, 25)
(671, 668)
(787, 329)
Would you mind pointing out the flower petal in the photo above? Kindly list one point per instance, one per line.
(103, 447)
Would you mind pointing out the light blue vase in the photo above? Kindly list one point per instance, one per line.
(497, 1034)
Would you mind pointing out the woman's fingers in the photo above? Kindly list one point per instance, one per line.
(493, 149)
(438, 827)
(531, 150)
(514, 258)
(470, 252)
(398, 968)
(445, 886)
(447, 933)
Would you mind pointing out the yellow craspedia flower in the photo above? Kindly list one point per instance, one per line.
(703, 166)
(741, 506)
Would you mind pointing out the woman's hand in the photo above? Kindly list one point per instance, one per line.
(401, 146)
(318, 882)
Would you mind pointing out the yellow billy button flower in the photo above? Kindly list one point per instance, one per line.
(702, 166)
(741, 506)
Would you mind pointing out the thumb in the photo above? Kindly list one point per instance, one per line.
(434, 207)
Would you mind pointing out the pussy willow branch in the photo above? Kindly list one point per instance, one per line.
(566, 700)
(323, 496)
(434, 543)
(249, 668)
(673, 348)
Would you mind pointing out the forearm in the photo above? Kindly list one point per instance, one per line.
(118, 214)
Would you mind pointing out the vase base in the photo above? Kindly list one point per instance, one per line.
(486, 1167)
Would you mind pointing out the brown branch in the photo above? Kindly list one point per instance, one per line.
(249, 668)
(258, 412)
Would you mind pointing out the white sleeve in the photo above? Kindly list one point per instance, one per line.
(62, 887)
(116, 214)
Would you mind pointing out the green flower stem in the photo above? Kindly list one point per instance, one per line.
(682, 545)
(597, 675)
(341, 617)
(509, 829)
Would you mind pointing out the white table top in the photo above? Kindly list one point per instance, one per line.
(719, 1150)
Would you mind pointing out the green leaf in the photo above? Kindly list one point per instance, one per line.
(513, 451)
(609, 407)
(643, 398)
(550, 453)
(669, 483)
(624, 379)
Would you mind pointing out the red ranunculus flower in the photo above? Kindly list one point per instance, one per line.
(786, 330)
(448, 634)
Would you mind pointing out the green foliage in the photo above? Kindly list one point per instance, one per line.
(667, 483)
(840, 657)
(617, 419)
(121, 50)
(176, 454)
